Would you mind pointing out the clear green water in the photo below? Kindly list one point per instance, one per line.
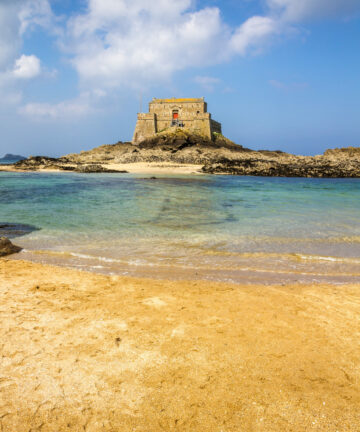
(242, 229)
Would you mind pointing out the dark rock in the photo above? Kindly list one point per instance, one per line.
(96, 168)
(288, 166)
(12, 230)
(66, 167)
(7, 248)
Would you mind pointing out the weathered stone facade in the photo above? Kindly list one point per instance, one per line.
(164, 114)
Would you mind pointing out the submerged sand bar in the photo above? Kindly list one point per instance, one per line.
(86, 352)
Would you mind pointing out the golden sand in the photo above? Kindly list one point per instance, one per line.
(85, 352)
(133, 168)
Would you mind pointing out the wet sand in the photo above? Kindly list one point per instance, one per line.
(86, 352)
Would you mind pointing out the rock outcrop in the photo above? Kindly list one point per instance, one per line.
(96, 168)
(220, 156)
(7, 248)
(179, 147)
(286, 166)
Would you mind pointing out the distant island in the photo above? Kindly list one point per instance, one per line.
(11, 158)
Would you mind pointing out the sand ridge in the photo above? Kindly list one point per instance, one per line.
(86, 352)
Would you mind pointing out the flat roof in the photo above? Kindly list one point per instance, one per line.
(181, 100)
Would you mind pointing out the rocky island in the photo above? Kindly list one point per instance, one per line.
(180, 135)
(218, 156)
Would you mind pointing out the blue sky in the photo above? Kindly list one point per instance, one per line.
(278, 74)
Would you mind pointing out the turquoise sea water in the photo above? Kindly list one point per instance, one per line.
(242, 229)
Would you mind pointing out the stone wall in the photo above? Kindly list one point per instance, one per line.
(192, 115)
(145, 127)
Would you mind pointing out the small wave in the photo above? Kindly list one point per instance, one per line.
(91, 257)
(328, 258)
(270, 266)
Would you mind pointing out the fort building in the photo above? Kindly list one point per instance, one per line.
(165, 114)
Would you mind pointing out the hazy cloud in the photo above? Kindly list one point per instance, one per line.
(299, 10)
(207, 83)
(64, 110)
(34, 13)
(10, 40)
(288, 86)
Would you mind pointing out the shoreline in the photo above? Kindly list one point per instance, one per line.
(119, 353)
(131, 168)
(251, 273)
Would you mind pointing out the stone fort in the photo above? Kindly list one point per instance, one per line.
(190, 114)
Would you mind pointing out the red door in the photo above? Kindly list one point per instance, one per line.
(175, 115)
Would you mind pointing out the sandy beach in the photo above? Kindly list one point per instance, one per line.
(133, 168)
(86, 352)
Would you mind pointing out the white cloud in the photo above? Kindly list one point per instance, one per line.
(254, 34)
(134, 42)
(17, 17)
(27, 67)
(120, 43)
(116, 44)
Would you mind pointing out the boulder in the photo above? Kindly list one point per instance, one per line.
(7, 248)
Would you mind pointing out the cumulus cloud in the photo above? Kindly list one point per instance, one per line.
(254, 34)
(135, 41)
(27, 67)
(17, 17)
(114, 44)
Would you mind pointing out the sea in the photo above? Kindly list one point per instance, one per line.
(246, 230)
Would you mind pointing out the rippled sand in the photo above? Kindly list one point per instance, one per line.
(87, 352)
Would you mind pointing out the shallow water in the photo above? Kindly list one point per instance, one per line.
(241, 229)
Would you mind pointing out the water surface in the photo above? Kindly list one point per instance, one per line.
(241, 229)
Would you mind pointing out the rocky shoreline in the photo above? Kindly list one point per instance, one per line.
(220, 156)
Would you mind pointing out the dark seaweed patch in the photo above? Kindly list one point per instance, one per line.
(12, 230)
